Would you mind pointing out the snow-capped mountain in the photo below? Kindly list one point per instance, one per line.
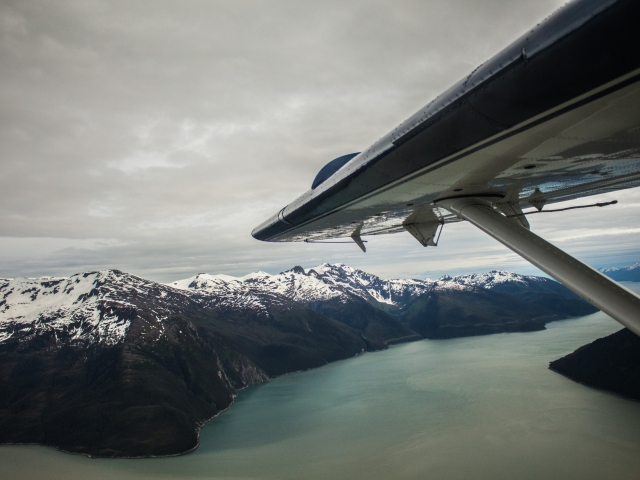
(629, 274)
(385, 310)
(321, 283)
(327, 281)
(109, 364)
(98, 307)
(635, 266)
(297, 287)
(493, 279)
(92, 307)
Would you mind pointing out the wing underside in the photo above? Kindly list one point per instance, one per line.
(589, 150)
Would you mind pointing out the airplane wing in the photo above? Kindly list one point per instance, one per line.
(552, 117)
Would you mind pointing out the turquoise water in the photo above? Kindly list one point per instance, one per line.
(473, 408)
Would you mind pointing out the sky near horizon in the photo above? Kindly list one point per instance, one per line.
(153, 136)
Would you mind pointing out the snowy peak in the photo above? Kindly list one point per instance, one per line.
(99, 307)
(255, 275)
(398, 292)
(89, 307)
(225, 291)
(206, 282)
(306, 286)
(331, 281)
(628, 274)
(610, 269)
(295, 286)
(369, 286)
(491, 279)
(635, 266)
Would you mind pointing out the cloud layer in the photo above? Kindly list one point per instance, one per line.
(153, 136)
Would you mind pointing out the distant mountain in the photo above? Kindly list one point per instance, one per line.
(345, 294)
(389, 310)
(629, 274)
(109, 364)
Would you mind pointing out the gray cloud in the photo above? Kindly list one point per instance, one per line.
(153, 136)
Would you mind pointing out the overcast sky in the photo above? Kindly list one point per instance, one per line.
(152, 136)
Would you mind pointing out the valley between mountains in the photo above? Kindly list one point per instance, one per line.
(109, 364)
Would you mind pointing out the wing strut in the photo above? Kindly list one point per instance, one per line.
(596, 288)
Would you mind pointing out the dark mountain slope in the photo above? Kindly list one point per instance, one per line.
(291, 338)
(137, 398)
(450, 314)
(136, 367)
(611, 363)
(378, 327)
(547, 297)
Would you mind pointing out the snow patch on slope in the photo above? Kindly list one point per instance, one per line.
(321, 283)
(75, 305)
(98, 307)
(492, 279)
(327, 281)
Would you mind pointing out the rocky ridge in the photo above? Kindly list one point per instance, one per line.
(328, 282)
(473, 304)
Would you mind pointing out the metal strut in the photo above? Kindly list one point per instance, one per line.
(596, 288)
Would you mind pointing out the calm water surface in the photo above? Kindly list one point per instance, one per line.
(481, 407)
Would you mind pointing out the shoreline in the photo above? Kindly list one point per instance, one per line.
(610, 392)
(94, 457)
(388, 344)
(205, 422)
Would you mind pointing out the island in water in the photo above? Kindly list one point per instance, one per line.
(611, 363)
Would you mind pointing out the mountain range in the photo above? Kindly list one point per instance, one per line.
(109, 364)
(387, 311)
(628, 274)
